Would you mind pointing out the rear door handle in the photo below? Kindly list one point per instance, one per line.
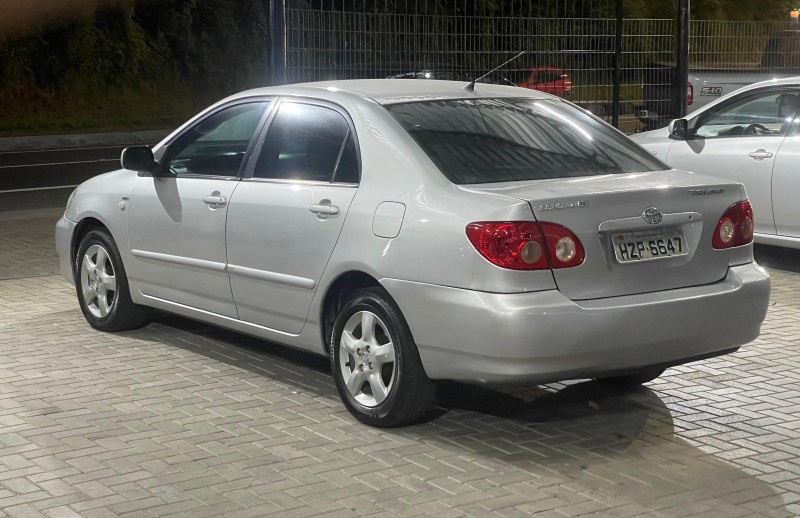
(215, 201)
(325, 210)
(760, 154)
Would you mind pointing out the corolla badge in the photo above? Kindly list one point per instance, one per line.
(652, 215)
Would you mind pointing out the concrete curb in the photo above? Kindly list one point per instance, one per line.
(83, 140)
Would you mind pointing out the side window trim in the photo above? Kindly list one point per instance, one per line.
(260, 139)
(339, 156)
(270, 101)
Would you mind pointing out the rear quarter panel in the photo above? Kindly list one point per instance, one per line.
(432, 245)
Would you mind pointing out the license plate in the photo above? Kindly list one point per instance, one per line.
(648, 245)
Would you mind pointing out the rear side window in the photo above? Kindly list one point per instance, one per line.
(308, 142)
(506, 140)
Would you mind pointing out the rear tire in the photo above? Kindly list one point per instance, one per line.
(102, 285)
(376, 364)
(631, 381)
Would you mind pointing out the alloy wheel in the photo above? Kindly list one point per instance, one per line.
(367, 358)
(98, 281)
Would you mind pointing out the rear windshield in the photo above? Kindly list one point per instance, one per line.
(507, 140)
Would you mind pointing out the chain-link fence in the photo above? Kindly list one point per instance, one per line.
(723, 56)
(580, 50)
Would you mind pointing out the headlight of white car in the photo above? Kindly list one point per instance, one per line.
(70, 200)
(71, 197)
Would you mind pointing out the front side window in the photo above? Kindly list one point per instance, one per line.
(216, 145)
(307, 142)
(764, 114)
(505, 140)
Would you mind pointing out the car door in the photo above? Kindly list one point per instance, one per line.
(740, 140)
(177, 218)
(286, 216)
(786, 183)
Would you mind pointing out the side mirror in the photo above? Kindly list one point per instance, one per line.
(139, 158)
(679, 129)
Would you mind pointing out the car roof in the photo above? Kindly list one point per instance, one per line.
(785, 81)
(392, 91)
(794, 80)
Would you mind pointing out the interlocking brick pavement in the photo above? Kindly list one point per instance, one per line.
(183, 419)
(27, 246)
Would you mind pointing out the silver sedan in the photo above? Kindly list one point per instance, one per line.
(421, 231)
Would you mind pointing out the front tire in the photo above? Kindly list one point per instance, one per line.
(102, 285)
(376, 364)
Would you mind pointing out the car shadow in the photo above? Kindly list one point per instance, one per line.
(582, 436)
(539, 405)
(780, 258)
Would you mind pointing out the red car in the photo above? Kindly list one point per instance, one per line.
(545, 79)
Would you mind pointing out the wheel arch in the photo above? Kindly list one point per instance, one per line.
(335, 296)
(83, 227)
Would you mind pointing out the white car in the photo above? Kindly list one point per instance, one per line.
(750, 136)
(417, 231)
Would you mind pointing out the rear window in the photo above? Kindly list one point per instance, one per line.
(507, 140)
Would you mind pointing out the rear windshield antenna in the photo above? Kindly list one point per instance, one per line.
(471, 86)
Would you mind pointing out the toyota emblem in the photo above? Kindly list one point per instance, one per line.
(652, 215)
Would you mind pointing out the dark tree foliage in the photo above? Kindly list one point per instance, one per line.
(172, 56)
(210, 47)
(221, 46)
(217, 46)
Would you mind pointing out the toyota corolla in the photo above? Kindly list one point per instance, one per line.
(421, 231)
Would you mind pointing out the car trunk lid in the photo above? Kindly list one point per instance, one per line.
(676, 211)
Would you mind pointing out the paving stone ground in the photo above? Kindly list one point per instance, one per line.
(183, 419)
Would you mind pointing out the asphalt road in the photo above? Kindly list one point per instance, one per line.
(41, 179)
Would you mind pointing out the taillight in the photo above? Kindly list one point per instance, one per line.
(564, 247)
(735, 227)
(690, 94)
(526, 245)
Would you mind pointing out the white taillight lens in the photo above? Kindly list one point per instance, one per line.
(565, 249)
(531, 252)
(726, 231)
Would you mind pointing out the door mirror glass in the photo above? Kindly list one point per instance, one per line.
(138, 158)
(679, 129)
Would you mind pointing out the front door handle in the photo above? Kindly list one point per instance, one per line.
(760, 154)
(326, 210)
(215, 201)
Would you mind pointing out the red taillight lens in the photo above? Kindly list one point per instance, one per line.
(526, 245)
(517, 245)
(690, 94)
(735, 227)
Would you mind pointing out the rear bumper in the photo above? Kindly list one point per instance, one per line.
(64, 230)
(541, 337)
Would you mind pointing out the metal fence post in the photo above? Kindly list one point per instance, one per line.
(277, 14)
(682, 55)
(617, 67)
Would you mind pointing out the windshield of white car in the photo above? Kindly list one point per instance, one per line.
(507, 140)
